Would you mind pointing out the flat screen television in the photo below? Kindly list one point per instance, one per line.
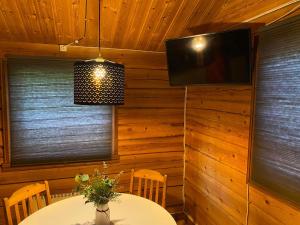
(214, 58)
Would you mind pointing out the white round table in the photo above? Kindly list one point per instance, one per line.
(126, 210)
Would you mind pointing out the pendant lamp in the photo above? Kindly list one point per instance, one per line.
(98, 81)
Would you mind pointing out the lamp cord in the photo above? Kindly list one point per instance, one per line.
(99, 32)
(85, 22)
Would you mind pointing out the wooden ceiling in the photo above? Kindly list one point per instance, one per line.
(127, 24)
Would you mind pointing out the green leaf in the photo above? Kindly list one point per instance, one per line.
(85, 177)
(77, 178)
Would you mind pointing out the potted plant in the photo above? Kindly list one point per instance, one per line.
(99, 188)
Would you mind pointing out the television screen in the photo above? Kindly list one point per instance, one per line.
(216, 58)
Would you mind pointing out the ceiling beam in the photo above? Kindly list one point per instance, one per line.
(130, 58)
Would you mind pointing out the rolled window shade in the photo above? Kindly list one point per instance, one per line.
(46, 127)
(276, 143)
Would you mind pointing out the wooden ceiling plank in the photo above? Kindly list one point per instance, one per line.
(57, 13)
(68, 22)
(39, 24)
(111, 23)
(81, 14)
(130, 38)
(236, 11)
(55, 23)
(180, 22)
(164, 37)
(165, 20)
(33, 21)
(92, 38)
(135, 21)
(77, 19)
(47, 26)
(204, 22)
(146, 14)
(66, 28)
(4, 31)
(251, 9)
(6, 11)
(81, 22)
(277, 14)
(108, 13)
(9, 13)
(20, 17)
(127, 13)
(205, 17)
(128, 24)
(51, 22)
(203, 9)
(73, 20)
(235, 6)
(108, 20)
(153, 19)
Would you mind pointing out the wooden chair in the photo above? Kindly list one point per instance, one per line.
(30, 195)
(152, 176)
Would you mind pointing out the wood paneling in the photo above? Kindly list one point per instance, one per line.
(2, 91)
(151, 121)
(131, 24)
(216, 157)
(150, 129)
(267, 208)
(132, 59)
(217, 130)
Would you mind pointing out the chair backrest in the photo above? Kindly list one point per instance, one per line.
(29, 198)
(146, 190)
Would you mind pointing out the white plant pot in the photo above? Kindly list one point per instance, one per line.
(102, 215)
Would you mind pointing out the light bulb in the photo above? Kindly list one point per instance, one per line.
(199, 43)
(99, 73)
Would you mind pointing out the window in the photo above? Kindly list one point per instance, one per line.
(276, 140)
(45, 125)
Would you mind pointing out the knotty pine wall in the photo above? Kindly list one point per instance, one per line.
(150, 133)
(150, 127)
(216, 157)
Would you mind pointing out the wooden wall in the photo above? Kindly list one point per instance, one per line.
(216, 160)
(150, 131)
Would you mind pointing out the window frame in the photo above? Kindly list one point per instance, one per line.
(6, 132)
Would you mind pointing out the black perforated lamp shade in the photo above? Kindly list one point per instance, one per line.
(98, 83)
